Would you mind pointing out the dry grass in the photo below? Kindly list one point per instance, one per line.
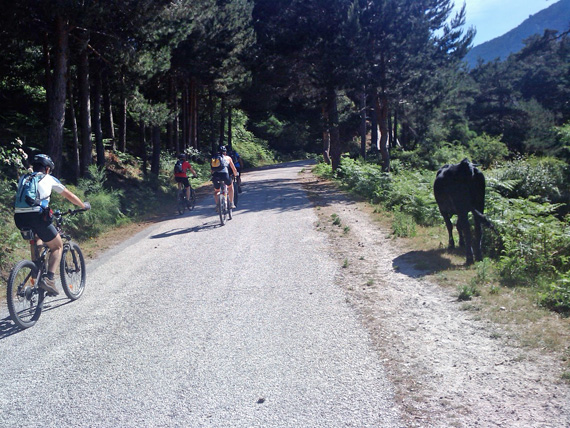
(513, 309)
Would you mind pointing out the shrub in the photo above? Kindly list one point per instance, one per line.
(543, 179)
(557, 297)
(487, 150)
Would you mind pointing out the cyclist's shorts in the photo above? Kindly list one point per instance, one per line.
(183, 180)
(218, 177)
(35, 221)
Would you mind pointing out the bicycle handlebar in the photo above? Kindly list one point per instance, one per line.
(59, 213)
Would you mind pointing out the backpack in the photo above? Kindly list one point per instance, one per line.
(28, 193)
(178, 167)
(218, 163)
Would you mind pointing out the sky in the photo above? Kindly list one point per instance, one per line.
(493, 18)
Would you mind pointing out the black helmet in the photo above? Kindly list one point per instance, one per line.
(182, 156)
(44, 160)
(223, 149)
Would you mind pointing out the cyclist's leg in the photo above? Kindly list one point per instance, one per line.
(55, 246)
(217, 185)
(229, 182)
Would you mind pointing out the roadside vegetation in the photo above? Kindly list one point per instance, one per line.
(527, 201)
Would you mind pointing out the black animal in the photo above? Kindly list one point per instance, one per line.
(460, 189)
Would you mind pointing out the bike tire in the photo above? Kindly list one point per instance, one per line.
(25, 298)
(181, 204)
(72, 271)
(236, 193)
(229, 205)
(192, 199)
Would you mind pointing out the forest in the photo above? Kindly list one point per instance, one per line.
(376, 89)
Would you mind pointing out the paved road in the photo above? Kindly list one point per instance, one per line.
(180, 327)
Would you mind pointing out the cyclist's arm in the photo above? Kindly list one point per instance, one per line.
(233, 167)
(193, 172)
(71, 197)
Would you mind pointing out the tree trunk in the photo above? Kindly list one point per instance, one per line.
(230, 128)
(222, 121)
(326, 136)
(155, 165)
(335, 150)
(194, 114)
(170, 127)
(382, 114)
(108, 125)
(96, 117)
(374, 123)
(176, 125)
(396, 142)
(142, 148)
(56, 86)
(184, 117)
(363, 123)
(74, 154)
(211, 111)
(390, 135)
(123, 119)
(85, 109)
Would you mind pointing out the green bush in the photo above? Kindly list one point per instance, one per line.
(543, 179)
(557, 296)
(487, 150)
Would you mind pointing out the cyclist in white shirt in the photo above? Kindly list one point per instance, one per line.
(39, 219)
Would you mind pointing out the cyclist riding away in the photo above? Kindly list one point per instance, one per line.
(221, 164)
(180, 175)
(237, 162)
(31, 211)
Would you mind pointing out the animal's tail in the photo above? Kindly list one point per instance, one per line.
(484, 220)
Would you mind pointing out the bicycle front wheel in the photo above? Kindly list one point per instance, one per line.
(222, 210)
(72, 271)
(25, 298)
(192, 199)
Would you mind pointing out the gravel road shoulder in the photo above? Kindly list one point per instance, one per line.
(450, 368)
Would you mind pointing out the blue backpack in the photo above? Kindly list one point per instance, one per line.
(28, 193)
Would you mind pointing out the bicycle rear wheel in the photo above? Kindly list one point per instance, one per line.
(25, 298)
(181, 205)
(72, 271)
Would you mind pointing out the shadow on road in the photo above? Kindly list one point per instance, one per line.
(417, 264)
(8, 328)
(173, 232)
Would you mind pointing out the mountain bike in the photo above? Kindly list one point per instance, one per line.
(25, 297)
(223, 206)
(183, 203)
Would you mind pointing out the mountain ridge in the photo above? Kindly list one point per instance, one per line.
(554, 17)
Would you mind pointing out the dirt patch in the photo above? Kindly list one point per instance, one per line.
(450, 365)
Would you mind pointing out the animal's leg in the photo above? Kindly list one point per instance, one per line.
(447, 219)
(461, 234)
(463, 224)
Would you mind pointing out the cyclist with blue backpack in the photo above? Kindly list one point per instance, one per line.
(31, 211)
